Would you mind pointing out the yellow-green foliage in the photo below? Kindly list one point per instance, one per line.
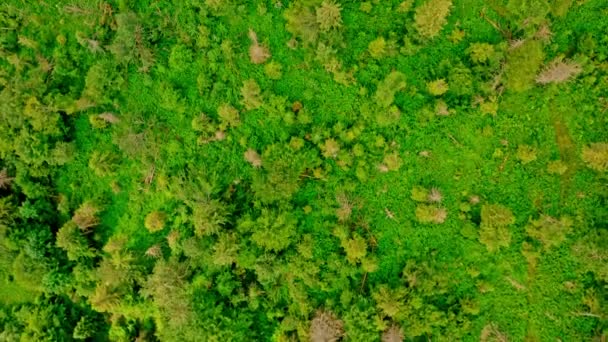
(437, 87)
(596, 156)
(480, 52)
(355, 248)
(155, 221)
(328, 16)
(523, 63)
(251, 93)
(557, 167)
(551, 232)
(302, 22)
(559, 8)
(228, 115)
(526, 154)
(431, 16)
(208, 217)
(430, 214)
(494, 231)
(377, 48)
(393, 161)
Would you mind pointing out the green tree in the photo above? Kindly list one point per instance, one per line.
(494, 229)
(431, 16)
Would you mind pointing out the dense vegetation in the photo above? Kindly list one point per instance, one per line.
(225, 170)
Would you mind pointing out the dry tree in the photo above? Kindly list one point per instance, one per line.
(559, 71)
(85, 217)
(435, 196)
(257, 53)
(5, 180)
(393, 334)
(253, 158)
(154, 252)
(325, 327)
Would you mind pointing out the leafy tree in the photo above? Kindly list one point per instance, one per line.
(431, 16)
(387, 88)
(550, 231)
(596, 156)
(167, 286)
(494, 231)
(271, 230)
(328, 16)
(209, 217)
(523, 63)
(155, 221)
(70, 239)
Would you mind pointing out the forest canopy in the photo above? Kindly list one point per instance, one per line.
(304, 170)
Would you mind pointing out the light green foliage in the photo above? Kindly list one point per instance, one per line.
(431, 16)
(393, 161)
(251, 94)
(559, 8)
(208, 217)
(103, 163)
(229, 116)
(391, 302)
(523, 63)
(273, 232)
(388, 87)
(70, 239)
(167, 287)
(273, 70)
(328, 15)
(528, 11)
